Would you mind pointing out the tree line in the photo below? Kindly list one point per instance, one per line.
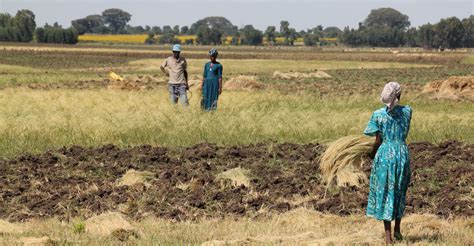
(383, 27)
(386, 27)
(22, 28)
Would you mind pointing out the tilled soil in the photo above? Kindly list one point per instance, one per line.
(78, 181)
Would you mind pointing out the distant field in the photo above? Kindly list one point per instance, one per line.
(116, 38)
(140, 38)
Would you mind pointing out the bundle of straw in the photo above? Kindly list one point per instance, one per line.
(342, 158)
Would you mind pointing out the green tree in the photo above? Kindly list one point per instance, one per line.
(71, 36)
(184, 30)
(5, 20)
(468, 24)
(293, 35)
(25, 24)
(56, 34)
(216, 24)
(206, 35)
(116, 19)
(285, 30)
(332, 32)
(311, 39)
(176, 29)
(156, 30)
(89, 24)
(270, 34)
(449, 33)
(250, 36)
(387, 17)
(353, 37)
(167, 29)
(40, 35)
(425, 36)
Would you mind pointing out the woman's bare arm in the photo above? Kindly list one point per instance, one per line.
(378, 142)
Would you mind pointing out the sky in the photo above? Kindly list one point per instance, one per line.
(302, 14)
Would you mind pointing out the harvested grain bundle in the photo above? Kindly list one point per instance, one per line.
(243, 82)
(455, 88)
(297, 75)
(342, 161)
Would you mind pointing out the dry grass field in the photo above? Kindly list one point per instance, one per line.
(245, 174)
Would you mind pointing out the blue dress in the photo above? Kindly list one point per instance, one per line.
(390, 173)
(210, 89)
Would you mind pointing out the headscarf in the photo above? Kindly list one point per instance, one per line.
(213, 52)
(390, 94)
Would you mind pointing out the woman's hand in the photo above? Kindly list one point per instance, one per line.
(377, 143)
(220, 86)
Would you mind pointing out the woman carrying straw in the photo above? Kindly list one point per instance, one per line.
(212, 82)
(390, 173)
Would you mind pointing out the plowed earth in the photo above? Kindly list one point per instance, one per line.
(78, 181)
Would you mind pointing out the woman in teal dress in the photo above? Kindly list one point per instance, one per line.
(390, 174)
(212, 82)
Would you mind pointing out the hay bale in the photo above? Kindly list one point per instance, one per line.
(243, 82)
(9, 228)
(454, 88)
(132, 177)
(238, 176)
(106, 224)
(342, 157)
(298, 75)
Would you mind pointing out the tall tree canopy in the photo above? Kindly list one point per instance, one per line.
(387, 17)
(117, 19)
(221, 24)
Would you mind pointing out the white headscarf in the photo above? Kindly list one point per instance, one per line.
(390, 94)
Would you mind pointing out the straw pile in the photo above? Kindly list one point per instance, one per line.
(342, 160)
(243, 82)
(454, 88)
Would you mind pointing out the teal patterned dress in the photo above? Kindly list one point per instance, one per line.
(390, 173)
(210, 89)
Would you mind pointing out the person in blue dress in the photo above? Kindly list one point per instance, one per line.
(212, 82)
(390, 174)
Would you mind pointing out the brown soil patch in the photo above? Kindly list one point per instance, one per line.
(243, 82)
(297, 75)
(58, 183)
(455, 88)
